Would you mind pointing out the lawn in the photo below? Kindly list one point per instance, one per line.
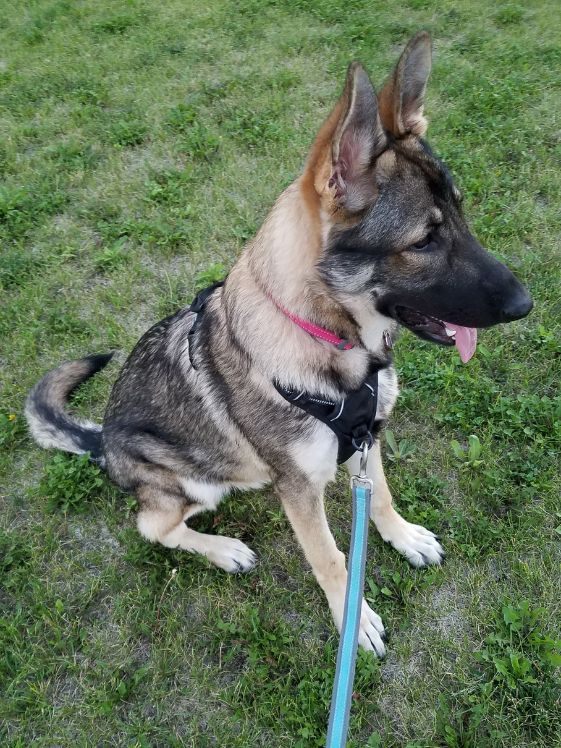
(141, 144)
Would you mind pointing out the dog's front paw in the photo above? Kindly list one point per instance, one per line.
(371, 634)
(370, 630)
(419, 546)
(231, 554)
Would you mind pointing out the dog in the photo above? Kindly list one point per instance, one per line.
(248, 385)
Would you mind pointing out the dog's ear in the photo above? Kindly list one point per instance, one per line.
(358, 137)
(348, 142)
(403, 96)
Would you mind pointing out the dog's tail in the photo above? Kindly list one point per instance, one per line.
(45, 409)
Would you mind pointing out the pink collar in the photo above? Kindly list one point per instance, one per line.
(317, 332)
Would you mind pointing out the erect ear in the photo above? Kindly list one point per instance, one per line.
(357, 139)
(403, 95)
(348, 142)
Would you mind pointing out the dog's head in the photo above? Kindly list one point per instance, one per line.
(392, 217)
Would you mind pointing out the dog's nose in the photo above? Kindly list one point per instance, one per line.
(519, 305)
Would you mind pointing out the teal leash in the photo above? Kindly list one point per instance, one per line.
(361, 488)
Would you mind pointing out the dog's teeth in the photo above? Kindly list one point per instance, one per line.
(450, 333)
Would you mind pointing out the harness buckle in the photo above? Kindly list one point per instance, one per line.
(362, 480)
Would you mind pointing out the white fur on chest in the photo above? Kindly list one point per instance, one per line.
(373, 326)
(316, 456)
(388, 391)
(371, 322)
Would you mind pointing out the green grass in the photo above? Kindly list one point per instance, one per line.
(140, 145)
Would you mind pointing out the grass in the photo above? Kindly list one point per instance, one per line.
(141, 145)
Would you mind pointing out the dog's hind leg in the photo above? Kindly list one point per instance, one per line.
(303, 505)
(163, 519)
(419, 546)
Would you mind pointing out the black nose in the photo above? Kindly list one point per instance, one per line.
(519, 305)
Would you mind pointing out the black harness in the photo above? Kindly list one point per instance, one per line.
(197, 306)
(352, 420)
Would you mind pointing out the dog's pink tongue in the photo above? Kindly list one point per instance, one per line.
(466, 340)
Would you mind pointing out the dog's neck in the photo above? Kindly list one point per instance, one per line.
(278, 268)
(284, 257)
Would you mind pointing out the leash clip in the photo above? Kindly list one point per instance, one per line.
(363, 459)
(362, 480)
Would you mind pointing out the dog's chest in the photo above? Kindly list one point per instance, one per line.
(316, 456)
(355, 419)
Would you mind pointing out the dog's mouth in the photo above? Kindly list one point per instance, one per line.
(438, 331)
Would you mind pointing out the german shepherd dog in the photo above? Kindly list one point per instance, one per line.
(370, 237)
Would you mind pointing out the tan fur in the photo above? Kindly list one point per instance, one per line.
(285, 252)
(281, 253)
(163, 518)
(249, 344)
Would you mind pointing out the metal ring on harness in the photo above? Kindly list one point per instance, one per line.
(367, 439)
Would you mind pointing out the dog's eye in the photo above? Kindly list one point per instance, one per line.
(423, 244)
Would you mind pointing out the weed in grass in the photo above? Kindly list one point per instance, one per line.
(127, 131)
(254, 129)
(398, 450)
(22, 208)
(70, 482)
(172, 188)
(164, 234)
(116, 687)
(509, 14)
(519, 680)
(111, 257)
(12, 207)
(59, 322)
(195, 139)
(212, 274)
(469, 458)
(199, 144)
(421, 497)
(74, 155)
(15, 556)
(120, 22)
(12, 430)
(181, 118)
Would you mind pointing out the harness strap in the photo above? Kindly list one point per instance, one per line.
(352, 420)
(197, 306)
